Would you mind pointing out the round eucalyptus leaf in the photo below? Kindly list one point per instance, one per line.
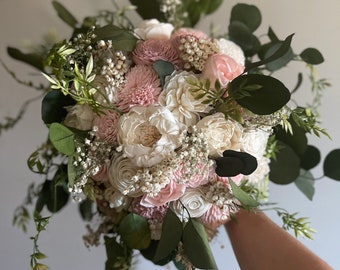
(311, 158)
(258, 93)
(331, 165)
(312, 56)
(286, 167)
(250, 15)
(280, 62)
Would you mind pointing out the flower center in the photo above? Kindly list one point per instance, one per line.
(147, 135)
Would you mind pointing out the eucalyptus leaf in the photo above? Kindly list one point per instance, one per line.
(286, 167)
(62, 138)
(71, 170)
(32, 59)
(311, 157)
(312, 56)
(196, 245)
(64, 14)
(246, 200)
(305, 183)
(85, 209)
(53, 106)
(148, 9)
(250, 15)
(279, 62)
(135, 231)
(163, 69)
(331, 165)
(122, 39)
(118, 255)
(272, 95)
(172, 229)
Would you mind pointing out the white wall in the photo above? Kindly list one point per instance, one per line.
(315, 23)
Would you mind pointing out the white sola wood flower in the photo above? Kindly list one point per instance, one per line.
(154, 29)
(149, 134)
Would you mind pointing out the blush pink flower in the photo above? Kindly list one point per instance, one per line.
(221, 67)
(194, 179)
(171, 192)
(142, 88)
(215, 217)
(107, 125)
(157, 212)
(103, 174)
(149, 51)
(185, 32)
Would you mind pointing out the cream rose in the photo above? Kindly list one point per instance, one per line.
(121, 174)
(194, 203)
(220, 133)
(232, 49)
(261, 171)
(154, 29)
(254, 142)
(177, 97)
(221, 67)
(149, 134)
(79, 117)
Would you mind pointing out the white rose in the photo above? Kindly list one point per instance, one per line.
(254, 142)
(232, 49)
(149, 134)
(79, 117)
(220, 133)
(154, 29)
(177, 97)
(194, 203)
(121, 174)
(261, 171)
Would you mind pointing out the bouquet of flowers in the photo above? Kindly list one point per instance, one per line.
(163, 132)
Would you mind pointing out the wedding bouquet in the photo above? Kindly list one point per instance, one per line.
(163, 132)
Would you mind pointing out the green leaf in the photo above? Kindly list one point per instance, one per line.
(163, 69)
(53, 106)
(62, 138)
(122, 39)
(284, 48)
(305, 183)
(311, 158)
(135, 231)
(150, 251)
(33, 59)
(71, 170)
(286, 167)
(64, 14)
(196, 245)
(85, 209)
(118, 255)
(331, 166)
(312, 56)
(172, 229)
(148, 9)
(250, 15)
(281, 61)
(245, 199)
(272, 96)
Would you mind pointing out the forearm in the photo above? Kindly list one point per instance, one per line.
(259, 243)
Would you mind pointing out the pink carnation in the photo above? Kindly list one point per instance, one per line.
(156, 212)
(221, 67)
(171, 192)
(107, 125)
(215, 217)
(142, 88)
(149, 51)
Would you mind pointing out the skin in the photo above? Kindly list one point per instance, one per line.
(260, 244)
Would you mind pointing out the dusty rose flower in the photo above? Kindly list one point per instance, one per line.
(142, 88)
(154, 29)
(185, 32)
(221, 67)
(149, 51)
(197, 178)
(215, 217)
(79, 117)
(107, 125)
(171, 192)
(155, 212)
(221, 134)
(102, 175)
(194, 202)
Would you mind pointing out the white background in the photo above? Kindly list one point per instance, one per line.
(315, 23)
